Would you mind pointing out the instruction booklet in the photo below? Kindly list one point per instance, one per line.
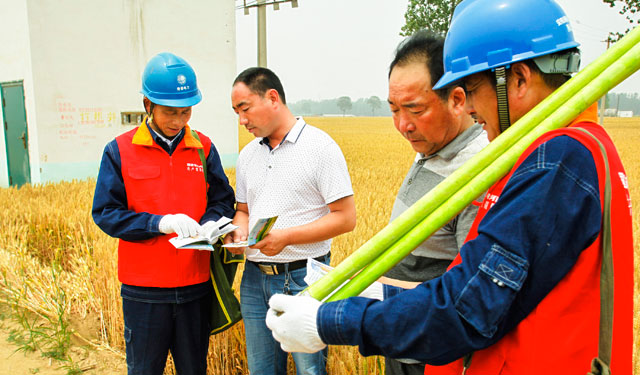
(205, 241)
(258, 232)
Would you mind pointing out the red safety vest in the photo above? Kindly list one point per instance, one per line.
(161, 184)
(560, 336)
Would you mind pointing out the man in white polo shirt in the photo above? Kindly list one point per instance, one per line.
(296, 172)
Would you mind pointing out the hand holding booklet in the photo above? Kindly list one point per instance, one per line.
(212, 230)
(258, 232)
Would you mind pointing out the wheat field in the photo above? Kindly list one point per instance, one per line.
(54, 261)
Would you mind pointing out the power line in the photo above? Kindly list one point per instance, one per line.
(246, 5)
(578, 22)
(592, 38)
(591, 33)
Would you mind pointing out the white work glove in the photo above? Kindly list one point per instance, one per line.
(181, 224)
(374, 291)
(292, 320)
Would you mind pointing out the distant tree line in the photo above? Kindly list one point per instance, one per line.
(344, 105)
(624, 102)
(374, 106)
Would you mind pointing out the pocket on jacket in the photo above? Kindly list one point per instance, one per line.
(487, 297)
(144, 190)
(143, 172)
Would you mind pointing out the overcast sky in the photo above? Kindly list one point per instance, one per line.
(329, 48)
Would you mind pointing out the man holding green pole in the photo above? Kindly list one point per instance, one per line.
(532, 289)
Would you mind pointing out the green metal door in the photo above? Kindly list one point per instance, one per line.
(15, 133)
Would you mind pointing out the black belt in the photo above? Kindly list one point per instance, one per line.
(278, 268)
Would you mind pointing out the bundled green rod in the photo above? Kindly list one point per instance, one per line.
(394, 232)
(620, 70)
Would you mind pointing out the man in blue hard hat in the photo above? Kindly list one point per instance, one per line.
(532, 288)
(151, 187)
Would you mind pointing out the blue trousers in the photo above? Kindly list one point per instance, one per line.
(264, 354)
(152, 330)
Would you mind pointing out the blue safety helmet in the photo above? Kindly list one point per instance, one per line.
(170, 81)
(486, 34)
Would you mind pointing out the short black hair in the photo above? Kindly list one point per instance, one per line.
(259, 80)
(423, 46)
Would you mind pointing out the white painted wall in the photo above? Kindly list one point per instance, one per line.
(15, 65)
(88, 57)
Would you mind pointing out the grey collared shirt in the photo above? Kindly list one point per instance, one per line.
(431, 258)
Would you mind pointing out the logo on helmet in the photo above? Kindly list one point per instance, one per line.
(182, 79)
(562, 20)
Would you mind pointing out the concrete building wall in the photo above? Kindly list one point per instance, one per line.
(87, 57)
(15, 65)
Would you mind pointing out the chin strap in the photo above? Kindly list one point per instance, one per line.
(503, 102)
(150, 113)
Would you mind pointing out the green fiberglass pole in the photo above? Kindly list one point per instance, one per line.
(574, 105)
(415, 214)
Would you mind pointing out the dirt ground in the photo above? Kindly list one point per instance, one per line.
(89, 360)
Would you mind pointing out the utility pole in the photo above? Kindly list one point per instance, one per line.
(603, 99)
(262, 33)
(262, 23)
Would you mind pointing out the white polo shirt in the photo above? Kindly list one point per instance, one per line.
(294, 181)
